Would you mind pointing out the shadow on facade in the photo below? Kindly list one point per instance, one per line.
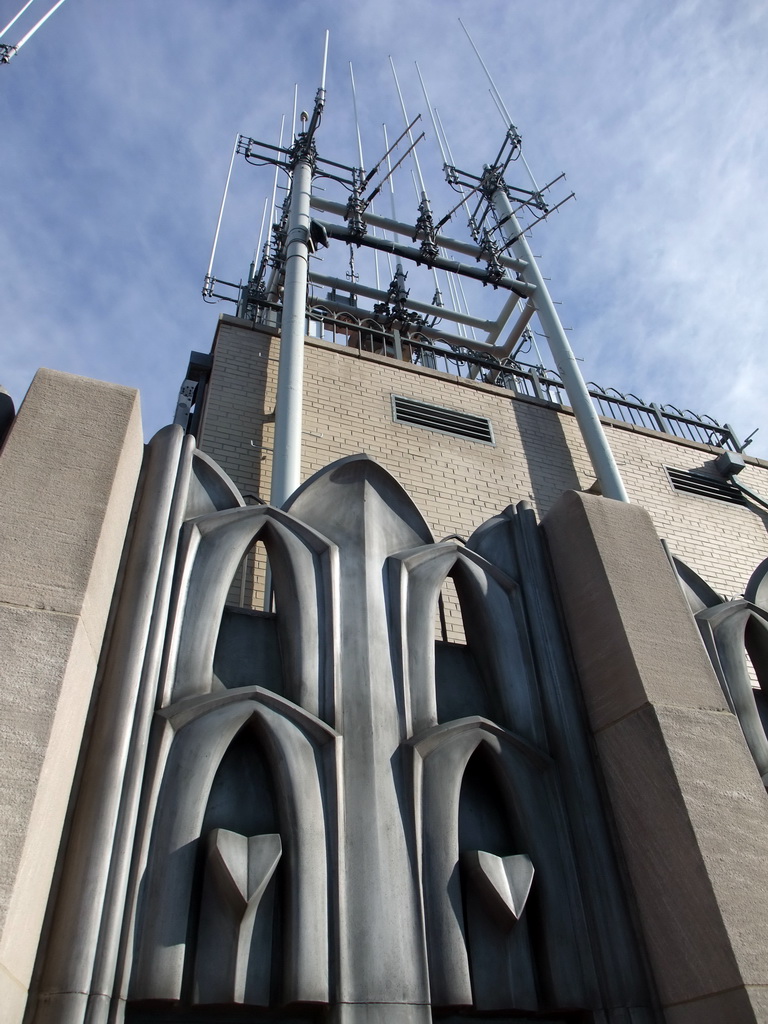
(547, 455)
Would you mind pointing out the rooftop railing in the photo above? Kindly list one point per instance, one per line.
(368, 335)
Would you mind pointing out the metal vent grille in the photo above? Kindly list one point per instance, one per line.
(445, 421)
(705, 486)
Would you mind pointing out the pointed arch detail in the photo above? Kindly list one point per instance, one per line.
(494, 625)
(294, 744)
(731, 631)
(304, 566)
(528, 780)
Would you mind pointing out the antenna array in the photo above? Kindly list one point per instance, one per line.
(355, 224)
(498, 256)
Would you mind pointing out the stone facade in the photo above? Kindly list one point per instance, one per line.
(68, 475)
(317, 813)
(538, 452)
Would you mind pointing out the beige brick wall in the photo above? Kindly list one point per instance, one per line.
(456, 483)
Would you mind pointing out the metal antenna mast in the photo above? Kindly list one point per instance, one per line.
(432, 116)
(500, 102)
(500, 257)
(497, 193)
(425, 221)
(604, 464)
(513, 303)
(286, 469)
(6, 51)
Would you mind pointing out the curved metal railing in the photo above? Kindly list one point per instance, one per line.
(367, 334)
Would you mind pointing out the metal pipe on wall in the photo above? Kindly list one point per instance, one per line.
(286, 468)
(600, 454)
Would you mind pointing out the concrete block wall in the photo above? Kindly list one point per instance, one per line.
(459, 483)
(693, 826)
(68, 474)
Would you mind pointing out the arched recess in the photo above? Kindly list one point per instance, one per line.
(735, 633)
(731, 631)
(248, 646)
(449, 626)
(527, 779)
(236, 930)
(304, 569)
(495, 628)
(298, 749)
(501, 948)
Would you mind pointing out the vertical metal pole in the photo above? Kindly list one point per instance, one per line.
(589, 423)
(286, 459)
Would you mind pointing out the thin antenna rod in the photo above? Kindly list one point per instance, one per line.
(464, 203)
(295, 104)
(438, 300)
(487, 73)
(34, 28)
(466, 304)
(372, 173)
(455, 302)
(362, 165)
(391, 183)
(431, 114)
(407, 123)
(497, 96)
(415, 185)
(445, 137)
(454, 292)
(474, 226)
(13, 21)
(357, 121)
(208, 281)
(325, 59)
(317, 112)
(261, 227)
(498, 106)
(423, 197)
(277, 172)
(376, 272)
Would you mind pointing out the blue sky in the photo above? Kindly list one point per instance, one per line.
(119, 116)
